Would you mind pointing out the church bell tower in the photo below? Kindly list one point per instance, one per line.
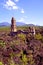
(13, 25)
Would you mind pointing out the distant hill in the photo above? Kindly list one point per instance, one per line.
(17, 23)
(8, 24)
(30, 25)
(4, 24)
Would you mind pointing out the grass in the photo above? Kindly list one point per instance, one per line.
(4, 28)
(7, 29)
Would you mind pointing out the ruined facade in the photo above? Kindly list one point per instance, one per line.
(34, 30)
(13, 28)
(13, 25)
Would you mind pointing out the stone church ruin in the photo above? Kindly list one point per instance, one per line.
(14, 28)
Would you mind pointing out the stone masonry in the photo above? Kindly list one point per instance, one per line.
(13, 25)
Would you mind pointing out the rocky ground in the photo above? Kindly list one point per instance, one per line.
(21, 49)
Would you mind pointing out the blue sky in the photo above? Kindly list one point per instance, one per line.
(26, 11)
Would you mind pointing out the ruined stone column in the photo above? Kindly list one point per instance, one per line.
(13, 25)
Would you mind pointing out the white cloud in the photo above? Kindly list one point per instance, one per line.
(15, 7)
(10, 5)
(21, 20)
(22, 11)
(16, 0)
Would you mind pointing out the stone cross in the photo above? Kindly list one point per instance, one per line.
(13, 25)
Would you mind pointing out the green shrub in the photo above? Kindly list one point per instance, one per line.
(15, 42)
(38, 36)
(31, 60)
(1, 63)
(22, 36)
(2, 43)
(24, 59)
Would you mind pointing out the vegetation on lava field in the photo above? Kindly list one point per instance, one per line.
(21, 49)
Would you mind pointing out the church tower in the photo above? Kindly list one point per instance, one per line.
(13, 25)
